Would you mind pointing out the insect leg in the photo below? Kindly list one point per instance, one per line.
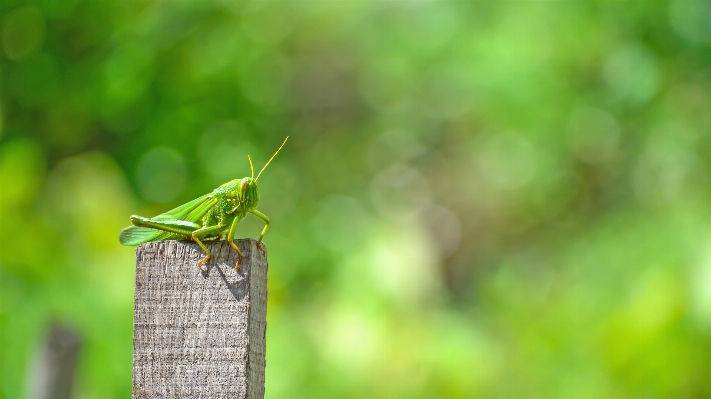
(173, 226)
(265, 219)
(202, 233)
(229, 239)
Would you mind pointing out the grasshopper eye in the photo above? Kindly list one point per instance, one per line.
(243, 184)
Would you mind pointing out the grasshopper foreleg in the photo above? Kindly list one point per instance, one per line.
(265, 219)
(229, 239)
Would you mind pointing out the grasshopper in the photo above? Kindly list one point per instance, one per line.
(204, 218)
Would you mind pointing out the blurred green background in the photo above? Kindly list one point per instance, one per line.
(479, 199)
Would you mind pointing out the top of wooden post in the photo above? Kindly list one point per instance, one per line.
(199, 333)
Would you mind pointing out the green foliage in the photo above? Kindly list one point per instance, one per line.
(479, 199)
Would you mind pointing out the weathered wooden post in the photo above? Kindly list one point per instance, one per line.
(199, 333)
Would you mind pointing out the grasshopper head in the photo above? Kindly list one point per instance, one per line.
(248, 193)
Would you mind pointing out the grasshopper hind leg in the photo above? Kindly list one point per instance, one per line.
(228, 238)
(239, 253)
(205, 231)
(204, 248)
(203, 261)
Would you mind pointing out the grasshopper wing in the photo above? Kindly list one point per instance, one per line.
(184, 217)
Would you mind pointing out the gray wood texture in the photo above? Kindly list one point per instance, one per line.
(199, 333)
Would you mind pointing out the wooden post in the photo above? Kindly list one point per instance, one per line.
(199, 333)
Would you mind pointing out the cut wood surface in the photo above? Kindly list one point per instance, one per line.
(199, 333)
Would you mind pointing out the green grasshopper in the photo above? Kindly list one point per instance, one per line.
(206, 217)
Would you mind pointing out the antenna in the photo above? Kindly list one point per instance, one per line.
(250, 165)
(270, 159)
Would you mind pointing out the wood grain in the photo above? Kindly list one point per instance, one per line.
(199, 333)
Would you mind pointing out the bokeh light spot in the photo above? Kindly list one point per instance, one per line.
(399, 191)
(691, 19)
(128, 73)
(594, 135)
(507, 161)
(266, 82)
(263, 22)
(395, 145)
(22, 31)
(21, 170)
(223, 150)
(663, 173)
(161, 175)
(214, 48)
(340, 222)
(633, 74)
(445, 228)
(351, 340)
(388, 84)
